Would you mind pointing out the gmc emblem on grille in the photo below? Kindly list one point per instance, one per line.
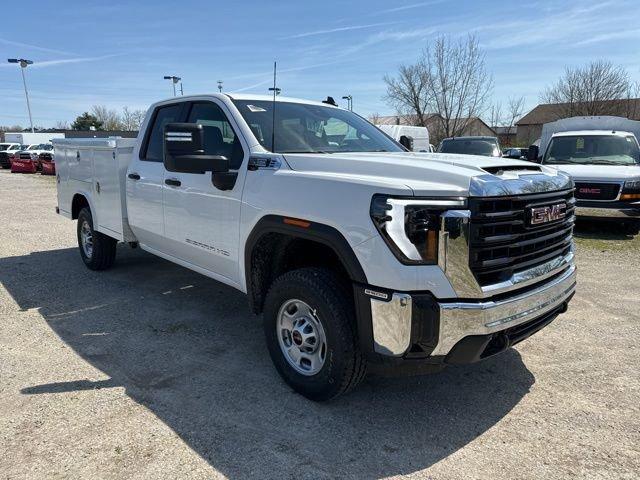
(592, 191)
(549, 213)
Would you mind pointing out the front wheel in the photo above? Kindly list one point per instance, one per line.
(309, 324)
(98, 251)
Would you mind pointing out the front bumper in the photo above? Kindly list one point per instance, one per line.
(461, 319)
(417, 326)
(608, 210)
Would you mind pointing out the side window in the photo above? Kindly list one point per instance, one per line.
(219, 137)
(164, 115)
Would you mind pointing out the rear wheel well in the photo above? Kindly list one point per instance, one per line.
(78, 203)
(277, 253)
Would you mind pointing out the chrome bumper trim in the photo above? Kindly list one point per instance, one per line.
(461, 319)
(533, 275)
(391, 322)
(599, 212)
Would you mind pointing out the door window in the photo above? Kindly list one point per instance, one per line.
(163, 116)
(219, 137)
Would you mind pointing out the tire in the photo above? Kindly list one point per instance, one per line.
(342, 366)
(102, 251)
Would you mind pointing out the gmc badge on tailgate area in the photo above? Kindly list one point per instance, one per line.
(548, 213)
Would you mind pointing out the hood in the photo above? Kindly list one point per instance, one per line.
(601, 172)
(435, 173)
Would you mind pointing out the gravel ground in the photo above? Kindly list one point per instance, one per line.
(152, 371)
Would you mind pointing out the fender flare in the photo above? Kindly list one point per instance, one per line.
(87, 196)
(307, 230)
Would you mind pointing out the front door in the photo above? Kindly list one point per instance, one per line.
(201, 221)
(145, 177)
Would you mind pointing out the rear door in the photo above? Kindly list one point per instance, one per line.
(201, 221)
(145, 177)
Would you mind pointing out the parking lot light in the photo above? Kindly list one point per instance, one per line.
(23, 64)
(349, 100)
(174, 80)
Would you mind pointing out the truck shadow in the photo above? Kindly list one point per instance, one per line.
(189, 350)
(600, 230)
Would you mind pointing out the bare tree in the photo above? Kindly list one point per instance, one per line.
(515, 110)
(495, 115)
(62, 125)
(132, 119)
(374, 118)
(409, 92)
(590, 90)
(460, 83)
(110, 119)
(448, 87)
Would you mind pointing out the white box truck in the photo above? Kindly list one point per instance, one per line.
(28, 138)
(412, 137)
(357, 253)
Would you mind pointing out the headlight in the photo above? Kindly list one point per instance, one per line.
(410, 225)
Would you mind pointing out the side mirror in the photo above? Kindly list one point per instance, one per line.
(406, 142)
(532, 154)
(184, 150)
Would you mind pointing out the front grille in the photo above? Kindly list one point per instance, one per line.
(597, 191)
(25, 156)
(4, 159)
(503, 242)
(45, 156)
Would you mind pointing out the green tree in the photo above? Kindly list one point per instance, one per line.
(86, 121)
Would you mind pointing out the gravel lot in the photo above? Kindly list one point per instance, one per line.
(152, 371)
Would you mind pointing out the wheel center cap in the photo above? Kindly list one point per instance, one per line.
(297, 337)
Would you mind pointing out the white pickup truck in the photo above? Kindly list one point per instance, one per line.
(602, 156)
(358, 253)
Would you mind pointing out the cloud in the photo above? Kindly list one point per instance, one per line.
(33, 47)
(606, 37)
(338, 29)
(251, 87)
(407, 7)
(561, 27)
(64, 61)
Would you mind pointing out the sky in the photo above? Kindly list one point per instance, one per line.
(116, 53)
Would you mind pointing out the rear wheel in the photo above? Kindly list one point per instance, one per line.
(98, 251)
(310, 330)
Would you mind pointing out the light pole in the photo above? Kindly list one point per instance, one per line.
(349, 100)
(23, 64)
(174, 80)
(220, 86)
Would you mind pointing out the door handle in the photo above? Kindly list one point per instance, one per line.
(173, 182)
(134, 176)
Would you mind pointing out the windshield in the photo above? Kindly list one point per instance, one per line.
(304, 128)
(593, 150)
(4, 146)
(480, 146)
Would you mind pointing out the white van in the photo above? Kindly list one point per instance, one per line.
(602, 155)
(418, 136)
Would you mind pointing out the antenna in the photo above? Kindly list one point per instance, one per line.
(275, 91)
